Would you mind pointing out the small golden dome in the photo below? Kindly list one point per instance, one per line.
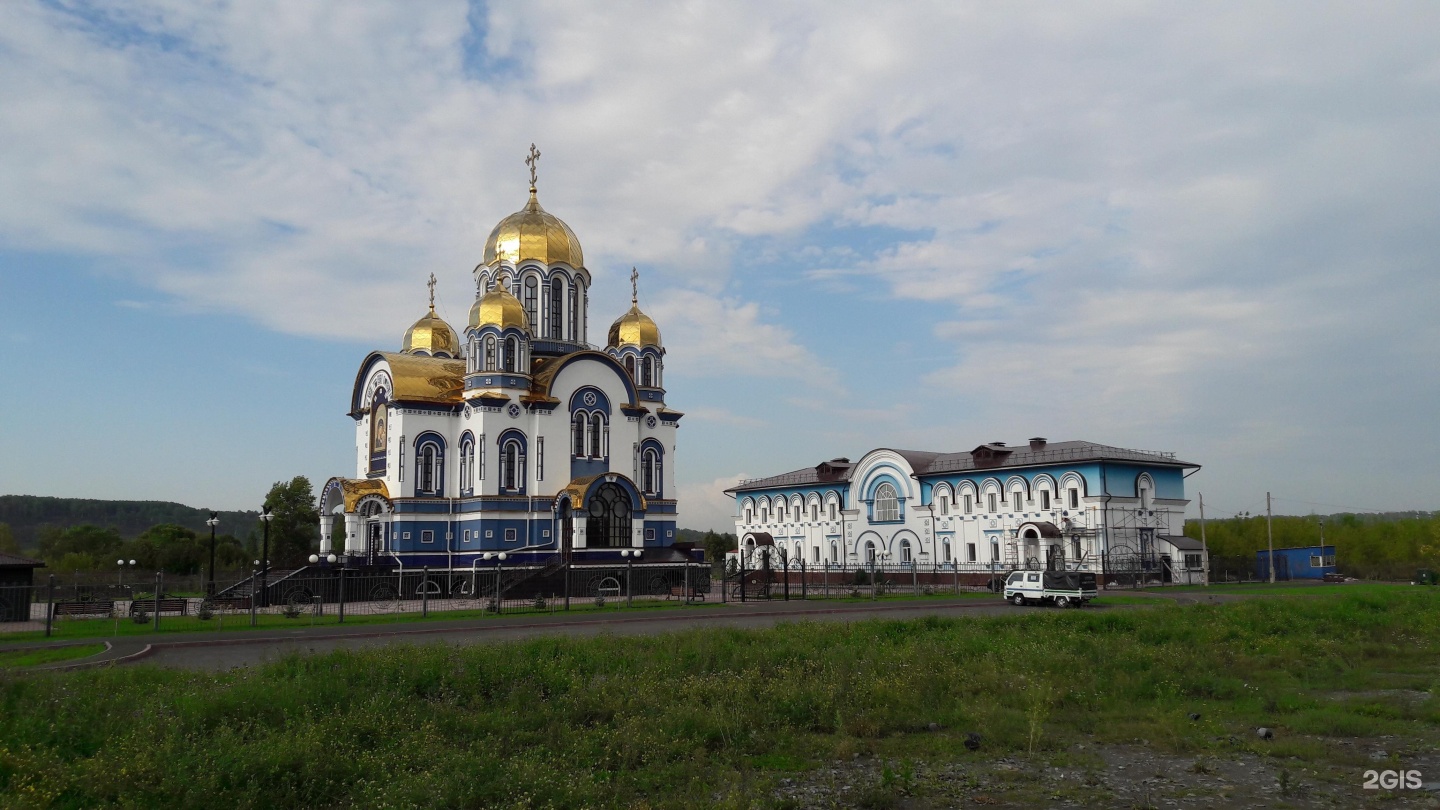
(533, 233)
(431, 335)
(500, 309)
(634, 328)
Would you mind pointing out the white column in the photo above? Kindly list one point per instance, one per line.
(354, 543)
(327, 522)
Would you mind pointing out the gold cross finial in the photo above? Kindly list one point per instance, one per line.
(533, 161)
(634, 286)
(431, 285)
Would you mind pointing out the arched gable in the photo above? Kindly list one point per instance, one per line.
(1144, 480)
(589, 398)
(1073, 480)
(549, 373)
(1015, 482)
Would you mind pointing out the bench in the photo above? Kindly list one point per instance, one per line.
(174, 605)
(85, 608)
(678, 592)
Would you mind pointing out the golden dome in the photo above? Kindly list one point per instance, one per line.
(431, 335)
(634, 328)
(533, 233)
(499, 308)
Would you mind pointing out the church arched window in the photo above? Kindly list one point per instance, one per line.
(869, 552)
(650, 471)
(532, 294)
(905, 556)
(512, 466)
(467, 464)
(489, 352)
(574, 333)
(887, 503)
(512, 348)
(748, 514)
(647, 372)
(557, 306)
(597, 435)
(427, 469)
(630, 366)
(834, 557)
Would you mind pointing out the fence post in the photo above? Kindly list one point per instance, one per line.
(742, 574)
(50, 606)
(566, 552)
(914, 579)
(342, 596)
(785, 565)
(253, 574)
(425, 592)
(158, 585)
(687, 582)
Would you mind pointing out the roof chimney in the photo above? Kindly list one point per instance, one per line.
(1037, 443)
(997, 444)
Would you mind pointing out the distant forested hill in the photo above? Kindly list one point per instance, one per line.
(28, 514)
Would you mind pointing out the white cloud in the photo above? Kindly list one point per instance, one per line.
(704, 504)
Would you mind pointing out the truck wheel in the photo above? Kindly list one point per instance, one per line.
(1062, 602)
(1017, 600)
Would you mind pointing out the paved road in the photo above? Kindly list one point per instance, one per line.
(250, 648)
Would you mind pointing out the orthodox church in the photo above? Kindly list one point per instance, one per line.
(515, 434)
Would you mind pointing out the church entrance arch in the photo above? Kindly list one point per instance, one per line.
(607, 521)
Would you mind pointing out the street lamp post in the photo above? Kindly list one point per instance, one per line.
(212, 523)
(630, 554)
(265, 517)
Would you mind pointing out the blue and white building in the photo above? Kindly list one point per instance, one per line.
(993, 508)
(514, 434)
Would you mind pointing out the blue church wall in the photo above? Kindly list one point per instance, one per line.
(659, 533)
(582, 467)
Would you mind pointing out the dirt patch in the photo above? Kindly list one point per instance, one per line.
(1108, 776)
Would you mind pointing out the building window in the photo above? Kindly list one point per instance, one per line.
(1329, 559)
(577, 435)
(994, 551)
(650, 471)
(991, 496)
(647, 372)
(832, 510)
(480, 467)
(747, 514)
(1316, 560)
(970, 552)
(1075, 547)
(428, 474)
(947, 551)
(905, 552)
(512, 348)
(834, 552)
(532, 294)
(1192, 561)
(512, 535)
(427, 536)
(649, 534)
(467, 465)
(574, 333)
(540, 458)
(630, 366)
(969, 503)
(1074, 498)
(780, 512)
(1044, 499)
(887, 504)
(597, 435)
(489, 352)
(1144, 498)
(870, 552)
(512, 466)
(1018, 500)
(944, 505)
(815, 554)
(557, 305)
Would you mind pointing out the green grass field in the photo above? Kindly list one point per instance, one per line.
(716, 718)
(50, 655)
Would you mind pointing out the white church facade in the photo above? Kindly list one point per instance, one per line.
(1071, 504)
(515, 434)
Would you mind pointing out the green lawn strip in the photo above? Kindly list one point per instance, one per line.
(80, 628)
(48, 655)
(717, 717)
(1288, 588)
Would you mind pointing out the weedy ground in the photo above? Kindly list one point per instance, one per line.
(1074, 708)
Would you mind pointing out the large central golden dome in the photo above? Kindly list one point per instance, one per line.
(533, 233)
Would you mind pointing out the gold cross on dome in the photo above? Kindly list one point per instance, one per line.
(634, 286)
(431, 285)
(533, 161)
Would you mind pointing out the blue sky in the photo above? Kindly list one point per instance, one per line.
(1206, 230)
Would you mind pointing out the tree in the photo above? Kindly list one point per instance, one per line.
(7, 540)
(295, 529)
(170, 548)
(84, 541)
(717, 545)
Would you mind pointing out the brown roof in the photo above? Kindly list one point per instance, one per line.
(926, 463)
(16, 561)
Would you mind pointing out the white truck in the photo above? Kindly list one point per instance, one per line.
(1061, 588)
